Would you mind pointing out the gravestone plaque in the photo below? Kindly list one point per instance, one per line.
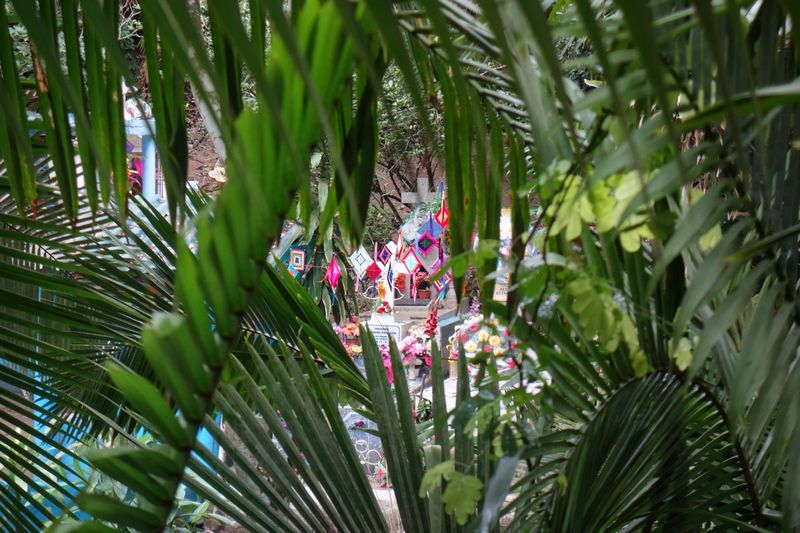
(384, 327)
(500, 292)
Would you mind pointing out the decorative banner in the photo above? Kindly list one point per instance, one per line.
(333, 273)
(426, 242)
(435, 266)
(442, 216)
(400, 245)
(411, 261)
(373, 271)
(293, 271)
(360, 260)
(443, 292)
(385, 255)
(442, 283)
(297, 259)
(431, 227)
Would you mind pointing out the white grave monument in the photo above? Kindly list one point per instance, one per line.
(384, 326)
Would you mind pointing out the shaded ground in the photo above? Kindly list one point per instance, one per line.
(202, 155)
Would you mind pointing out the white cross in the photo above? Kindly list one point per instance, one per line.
(421, 195)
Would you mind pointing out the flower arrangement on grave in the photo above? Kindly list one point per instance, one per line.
(414, 347)
(384, 308)
(349, 330)
(350, 335)
(483, 338)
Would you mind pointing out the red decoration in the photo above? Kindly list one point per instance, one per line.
(442, 216)
(373, 271)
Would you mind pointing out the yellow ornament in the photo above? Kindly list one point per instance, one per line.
(381, 290)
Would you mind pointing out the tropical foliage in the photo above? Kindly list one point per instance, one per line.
(656, 385)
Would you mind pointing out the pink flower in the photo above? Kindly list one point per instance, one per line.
(462, 337)
(387, 365)
(474, 327)
(512, 345)
(487, 348)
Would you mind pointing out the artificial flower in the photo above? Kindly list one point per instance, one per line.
(494, 340)
(471, 347)
(483, 335)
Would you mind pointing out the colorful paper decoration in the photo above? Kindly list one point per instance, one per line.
(411, 261)
(439, 284)
(373, 271)
(385, 255)
(297, 259)
(442, 216)
(400, 245)
(431, 226)
(360, 260)
(436, 265)
(293, 271)
(426, 242)
(333, 272)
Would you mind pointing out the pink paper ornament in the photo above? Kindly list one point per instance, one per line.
(333, 274)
